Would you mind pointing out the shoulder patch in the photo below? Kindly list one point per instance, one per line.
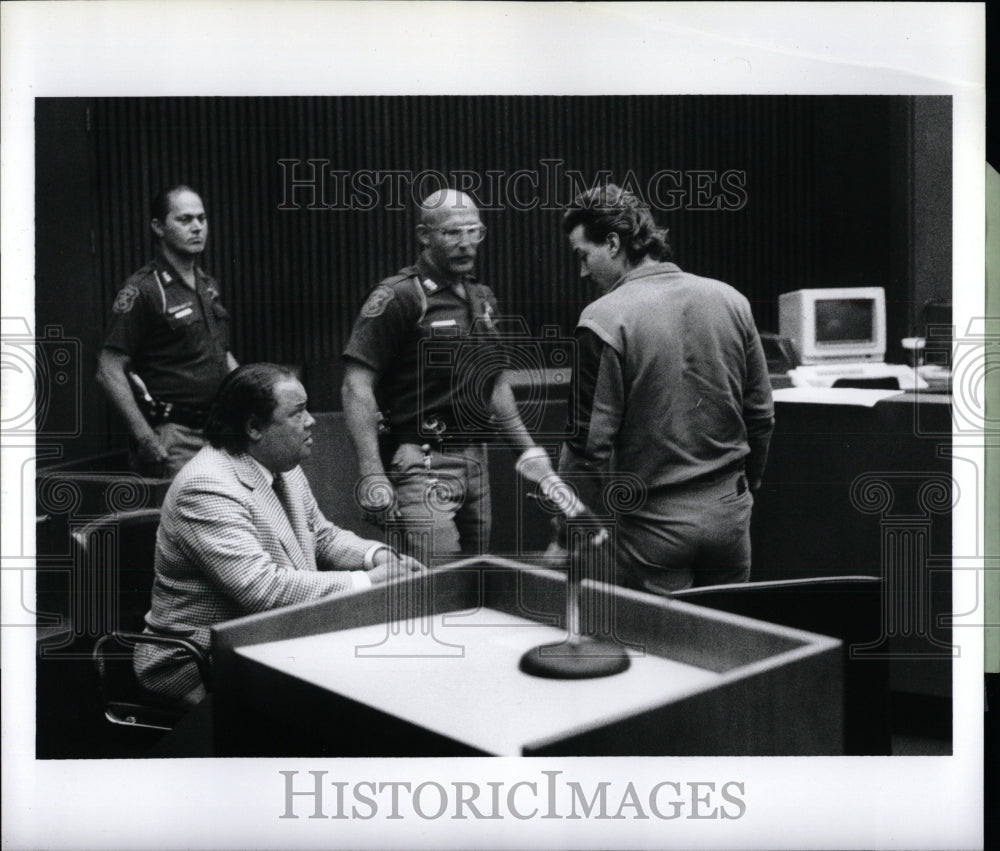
(125, 299)
(377, 301)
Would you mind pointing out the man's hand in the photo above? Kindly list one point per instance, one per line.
(390, 566)
(535, 466)
(152, 453)
(377, 499)
(555, 554)
(563, 543)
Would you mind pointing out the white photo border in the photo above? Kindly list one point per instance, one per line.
(263, 48)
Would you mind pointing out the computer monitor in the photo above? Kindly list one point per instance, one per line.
(834, 324)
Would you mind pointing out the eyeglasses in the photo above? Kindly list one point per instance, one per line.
(453, 236)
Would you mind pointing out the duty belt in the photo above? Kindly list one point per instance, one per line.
(437, 432)
(157, 411)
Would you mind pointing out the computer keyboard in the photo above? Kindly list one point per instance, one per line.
(826, 375)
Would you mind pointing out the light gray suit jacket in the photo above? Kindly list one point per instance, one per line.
(227, 548)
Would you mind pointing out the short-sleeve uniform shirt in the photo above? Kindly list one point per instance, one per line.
(176, 338)
(437, 353)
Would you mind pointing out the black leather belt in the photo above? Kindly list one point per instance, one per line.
(190, 417)
(439, 441)
(157, 411)
(438, 432)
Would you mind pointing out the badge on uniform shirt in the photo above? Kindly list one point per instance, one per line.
(377, 301)
(125, 299)
(430, 286)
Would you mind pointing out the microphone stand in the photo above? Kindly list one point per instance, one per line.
(579, 656)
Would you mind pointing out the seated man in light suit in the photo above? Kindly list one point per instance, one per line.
(240, 531)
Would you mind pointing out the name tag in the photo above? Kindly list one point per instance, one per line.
(180, 314)
(444, 323)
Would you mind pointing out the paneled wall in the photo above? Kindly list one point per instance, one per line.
(296, 259)
(311, 199)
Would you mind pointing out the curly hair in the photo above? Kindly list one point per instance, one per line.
(247, 392)
(609, 208)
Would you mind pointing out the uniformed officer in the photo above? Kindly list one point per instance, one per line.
(168, 348)
(424, 389)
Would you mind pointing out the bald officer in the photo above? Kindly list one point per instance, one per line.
(424, 387)
(168, 348)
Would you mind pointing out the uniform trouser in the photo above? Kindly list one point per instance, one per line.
(182, 444)
(687, 536)
(445, 511)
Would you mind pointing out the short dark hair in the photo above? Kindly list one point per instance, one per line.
(159, 207)
(609, 208)
(246, 393)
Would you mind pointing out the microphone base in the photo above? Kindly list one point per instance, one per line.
(583, 659)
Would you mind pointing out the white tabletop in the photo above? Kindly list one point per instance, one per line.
(458, 676)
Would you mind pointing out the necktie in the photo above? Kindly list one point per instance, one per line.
(281, 490)
(296, 522)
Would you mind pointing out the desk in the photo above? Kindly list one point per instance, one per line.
(807, 520)
(855, 490)
(480, 699)
(333, 678)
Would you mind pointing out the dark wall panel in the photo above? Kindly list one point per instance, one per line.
(931, 178)
(767, 193)
(69, 303)
(295, 268)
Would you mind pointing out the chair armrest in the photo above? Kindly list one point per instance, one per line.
(133, 638)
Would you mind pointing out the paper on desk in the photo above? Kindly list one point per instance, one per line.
(834, 395)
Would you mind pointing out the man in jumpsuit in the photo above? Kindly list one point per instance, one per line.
(672, 391)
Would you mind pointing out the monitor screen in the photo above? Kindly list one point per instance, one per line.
(844, 320)
(834, 324)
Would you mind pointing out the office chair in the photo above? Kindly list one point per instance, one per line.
(126, 703)
(65, 493)
(844, 607)
(116, 565)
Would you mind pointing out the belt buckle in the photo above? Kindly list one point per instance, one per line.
(434, 428)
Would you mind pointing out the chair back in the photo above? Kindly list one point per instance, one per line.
(844, 607)
(115, 563)
(114, 571)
